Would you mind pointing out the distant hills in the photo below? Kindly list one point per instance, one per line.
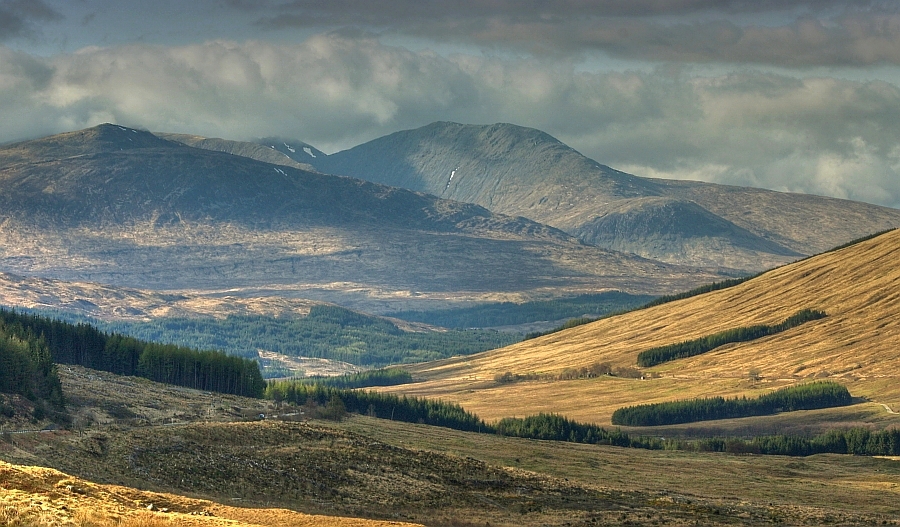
(123, 207)
(524, 172)
(858, 288)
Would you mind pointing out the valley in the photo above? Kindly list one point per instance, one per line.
(259, 251)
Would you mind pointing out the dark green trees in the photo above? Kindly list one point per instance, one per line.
(803, 397)
(661, 354)
(86, 346)
(27, 369)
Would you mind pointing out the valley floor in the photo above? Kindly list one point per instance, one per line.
(210, 447)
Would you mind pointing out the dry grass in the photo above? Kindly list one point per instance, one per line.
(797, 487)
(387, 470)
(42, 497)
(858, 287)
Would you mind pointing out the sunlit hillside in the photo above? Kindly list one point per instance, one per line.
(43, 497)
(857, 344)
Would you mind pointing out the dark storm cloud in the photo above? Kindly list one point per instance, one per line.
(19, 18)
(809, 33)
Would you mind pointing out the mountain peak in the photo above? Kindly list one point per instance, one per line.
(108, 137)
(102, 138)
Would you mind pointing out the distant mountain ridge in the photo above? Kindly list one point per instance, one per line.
(123, 207)
(525, 172)
(257, 151)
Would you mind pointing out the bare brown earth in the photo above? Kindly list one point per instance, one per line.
(178, 455)
(856, 344)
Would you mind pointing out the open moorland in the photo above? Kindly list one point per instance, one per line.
(855, 344)
(136, 443)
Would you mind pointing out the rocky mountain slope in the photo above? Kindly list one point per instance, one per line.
(123, 207)
(525, 172)
(858, 287)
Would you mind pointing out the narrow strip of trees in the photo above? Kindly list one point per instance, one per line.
(811, 396)
(334, 403)
(363, 379)
(558, 428)
(690, 348)
(381, 405)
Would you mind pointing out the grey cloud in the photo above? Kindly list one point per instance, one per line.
(398, 13)
(814, 135)
(18, 17)
(818, 33)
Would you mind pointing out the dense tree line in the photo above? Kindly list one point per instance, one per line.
(87, 346)
(510, 314)
(363, 379)
(330, 402)
(690, 348)
(557, 428)
(328, 332)
(809, 396)
(852, 441)
(855, 441)
(204, 370)
(381, 405)
(27, 368)
(857, 241)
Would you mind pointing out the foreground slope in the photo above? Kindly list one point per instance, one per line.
(525, 172)
(856, 344)
(33, 495)
(134, 434)
(123, 207)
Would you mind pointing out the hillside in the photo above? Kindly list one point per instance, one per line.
(858, 287)
(525, 172)
(208, 459)
(122, 207)
(41, 496)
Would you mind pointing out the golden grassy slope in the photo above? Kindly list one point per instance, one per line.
(857, 344)
(39, 497)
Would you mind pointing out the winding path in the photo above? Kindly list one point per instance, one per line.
(888, 408)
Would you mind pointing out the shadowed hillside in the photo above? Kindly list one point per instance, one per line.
(525, 172)
(123, 207)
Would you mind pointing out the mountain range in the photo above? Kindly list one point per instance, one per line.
(524, 172)
(124, 207)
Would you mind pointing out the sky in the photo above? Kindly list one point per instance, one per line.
(790, 95)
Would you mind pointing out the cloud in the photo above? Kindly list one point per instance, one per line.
(815, 135)
(18, 18)
(808, 33)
